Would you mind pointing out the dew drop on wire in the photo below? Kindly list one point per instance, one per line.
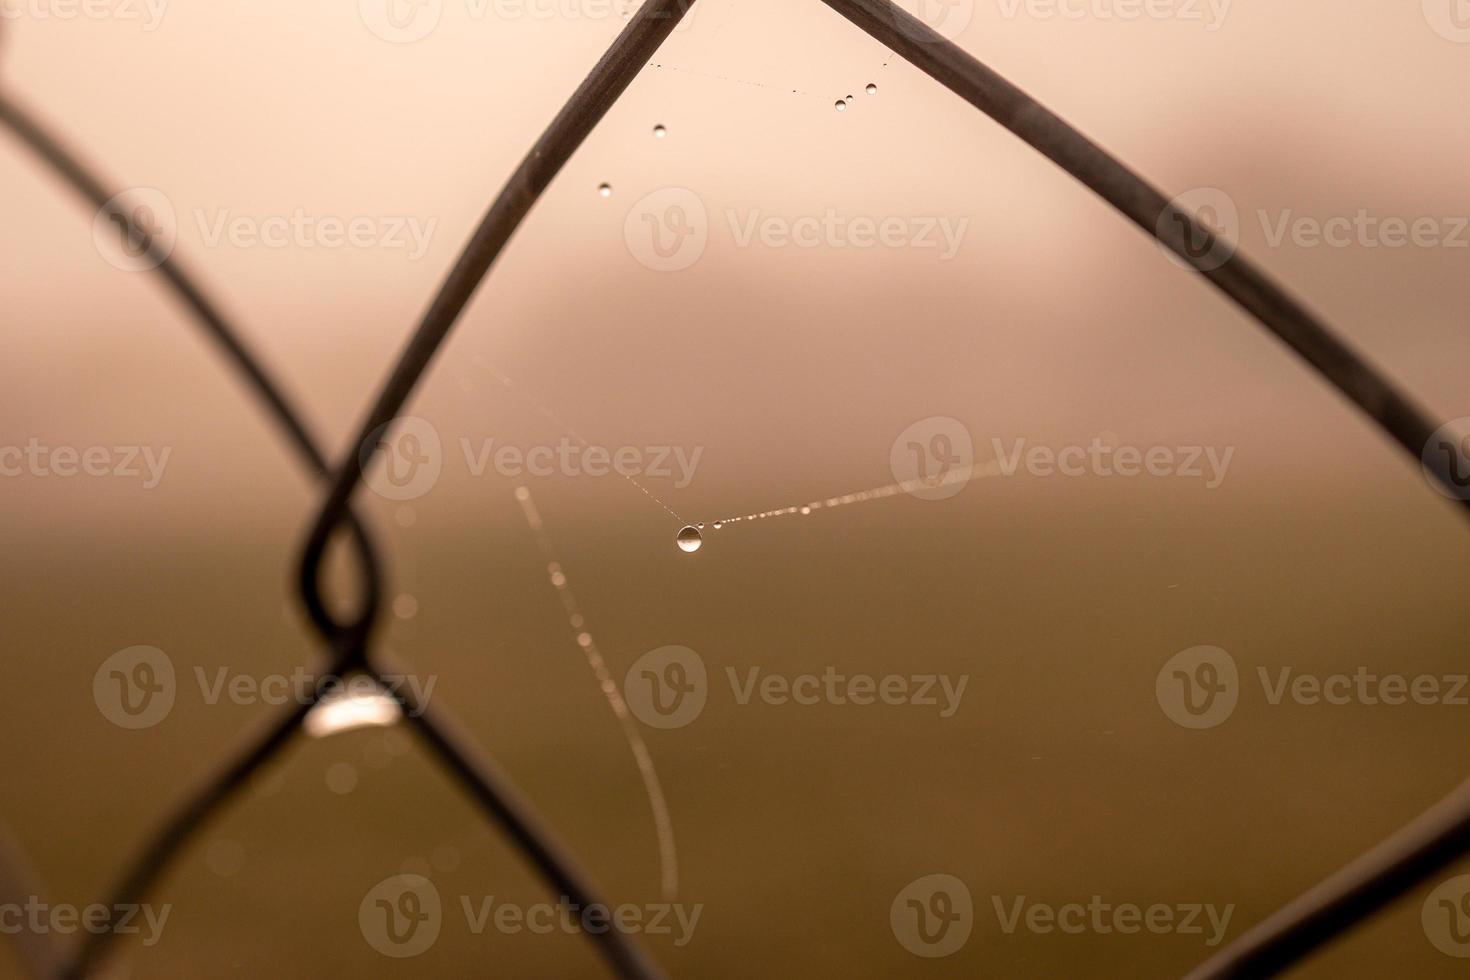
(841, 105)
(689, 539)
(718, 525)
(660, 132)
(872, 89)
(604, 190)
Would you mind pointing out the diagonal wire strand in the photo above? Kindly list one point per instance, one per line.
(457, 753)
(1438, 837)
(654, 21)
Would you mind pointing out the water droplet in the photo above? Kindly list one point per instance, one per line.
(872, 89)
(605, 190)
(841, 105)
(689, 539)
(849, 98)
(806, 510)
(719, 524)
(659, 131)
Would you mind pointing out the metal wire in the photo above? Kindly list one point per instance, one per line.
(489, 787)
(1336, 905)
(1434, 840)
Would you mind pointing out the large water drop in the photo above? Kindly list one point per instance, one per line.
(689, 539)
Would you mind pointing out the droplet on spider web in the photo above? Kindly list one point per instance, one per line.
(660, 132)
(841, 105)
(604, 190)
(689, 539)
(872, 89)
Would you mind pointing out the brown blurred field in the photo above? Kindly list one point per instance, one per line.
(1060, 598)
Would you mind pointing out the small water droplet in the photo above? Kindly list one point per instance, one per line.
(659, 131)
(872, 89)
(841, 105)
(689, 539)
(849, 98)
(605, 190)
(806, 510)
(719, 524)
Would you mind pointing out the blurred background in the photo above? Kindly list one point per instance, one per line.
(792, 370)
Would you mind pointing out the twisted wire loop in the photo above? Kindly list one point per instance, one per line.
(1337, 904)
(349, 641)
(653, 22)
(1440, 836)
